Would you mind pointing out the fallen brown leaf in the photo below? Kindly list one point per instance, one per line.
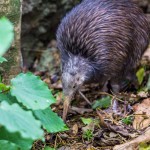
(47, 81)
(56, 86)
(90, 127)
(143, 94)
(110, 125)
(142, 114)
(75, 129)
(133, 145)
(65, 148)
(90, 148)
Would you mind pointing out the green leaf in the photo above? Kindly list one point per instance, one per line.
(23, 143)
(148, 83)
(128, 120)
(102, 103)
(4, 87)
(86, 121)
(140, 75)
(7, 97)
(2, 59)
(3, 97)
(31, 91)
(88, 134)
(15, 119)
(6, 145)
(50, 120)
(144, 146)
(6, 35)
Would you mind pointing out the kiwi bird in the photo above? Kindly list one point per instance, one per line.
(101, 41)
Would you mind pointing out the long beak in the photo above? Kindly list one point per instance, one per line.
(66, 107)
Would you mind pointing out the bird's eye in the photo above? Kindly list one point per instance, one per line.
(72, 73)
(74, 87)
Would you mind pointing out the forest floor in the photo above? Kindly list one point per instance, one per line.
(94, 126)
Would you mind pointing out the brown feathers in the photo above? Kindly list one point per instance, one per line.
(101, 40)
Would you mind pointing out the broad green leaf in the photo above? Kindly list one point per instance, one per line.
(6, 35)
(86, 121)
(7, 97)
(15, 119)
(2, 59)
(140, 75)
(31, 91)
(148, 83)
(23, 143)
(4, 97)
(6, 145)
(102, 103)
(50, 120)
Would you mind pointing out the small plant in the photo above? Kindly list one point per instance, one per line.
(128, 120)
(144, 146)
(86, 121)
(49, 148)
(102, 103)
(148, 84)
(140, 75)
(24, 104)
(88, 135)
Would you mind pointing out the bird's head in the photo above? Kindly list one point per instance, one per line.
(75, 72)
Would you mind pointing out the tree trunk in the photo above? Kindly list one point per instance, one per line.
(12, 10)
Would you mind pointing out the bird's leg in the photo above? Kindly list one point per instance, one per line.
(115, 89)
(104, 87)
(85, 98)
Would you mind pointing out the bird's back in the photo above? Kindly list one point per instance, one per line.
(112, 35)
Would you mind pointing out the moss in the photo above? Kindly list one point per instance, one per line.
(12, 67)
(14, 8)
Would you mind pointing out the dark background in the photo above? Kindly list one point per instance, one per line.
(39, 23)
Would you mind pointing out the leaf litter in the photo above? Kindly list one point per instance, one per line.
(99, 128)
